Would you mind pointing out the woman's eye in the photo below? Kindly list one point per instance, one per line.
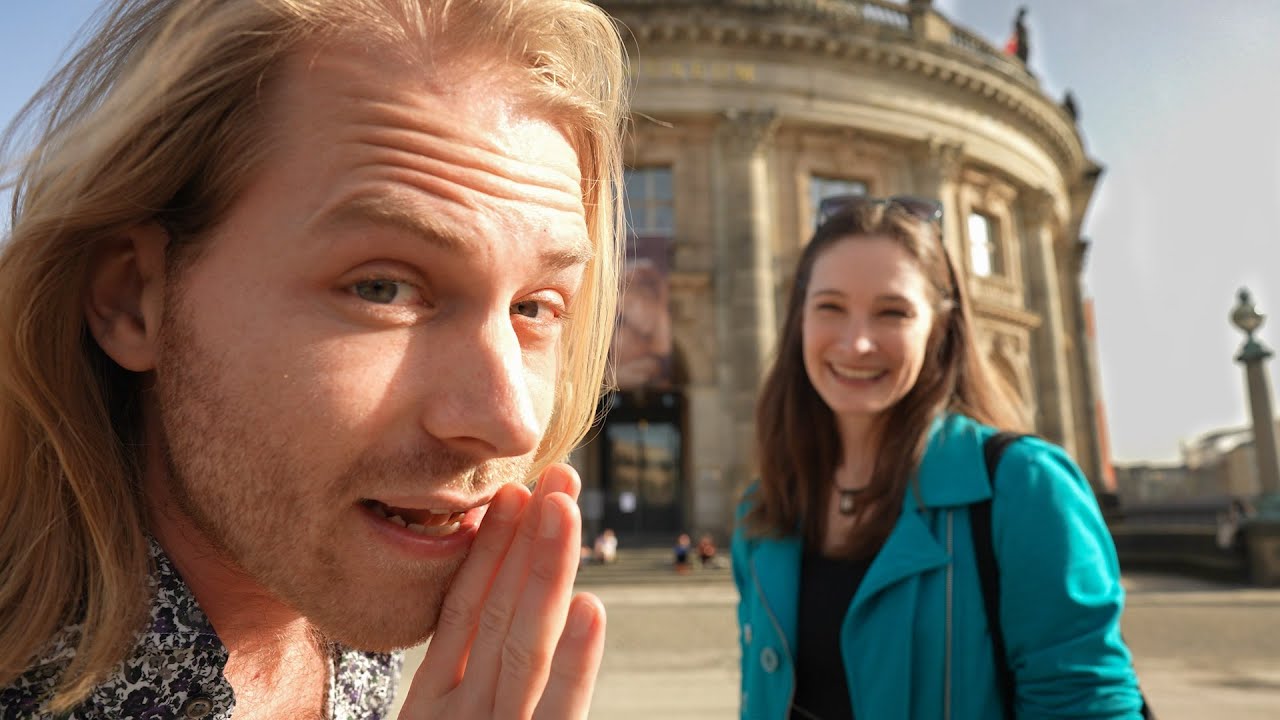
(895, 313)
(383, 292)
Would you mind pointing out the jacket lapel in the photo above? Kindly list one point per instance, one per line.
(776, 567)
(909, 550)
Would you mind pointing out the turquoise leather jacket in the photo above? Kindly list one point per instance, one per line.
(914, 639)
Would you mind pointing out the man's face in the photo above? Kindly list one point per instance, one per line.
(371, 338)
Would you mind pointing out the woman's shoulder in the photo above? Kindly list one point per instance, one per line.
(1035, 477)
(954, 430)
(1030, 465)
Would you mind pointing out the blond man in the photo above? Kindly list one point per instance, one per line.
(299, 297)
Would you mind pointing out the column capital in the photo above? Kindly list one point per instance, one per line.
(941, 160)
(1038, 207)
(749, 131)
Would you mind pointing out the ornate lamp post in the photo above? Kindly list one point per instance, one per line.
(1252, 355)
(1262, 529)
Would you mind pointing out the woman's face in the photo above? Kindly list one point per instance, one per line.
(868, 312)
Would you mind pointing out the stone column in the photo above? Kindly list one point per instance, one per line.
(937, 170)
(1264, 434)
(1254, 355)
(1055, 417)
(746, 319)
(1262, 530)
(1080, 359)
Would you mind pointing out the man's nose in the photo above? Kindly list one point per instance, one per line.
(482, 402)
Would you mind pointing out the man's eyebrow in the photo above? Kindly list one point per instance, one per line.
(390, 212)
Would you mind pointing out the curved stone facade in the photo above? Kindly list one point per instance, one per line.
(748, 110)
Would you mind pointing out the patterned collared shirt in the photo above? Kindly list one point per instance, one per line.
(175, 670)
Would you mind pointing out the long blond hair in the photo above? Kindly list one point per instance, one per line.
(157, 118)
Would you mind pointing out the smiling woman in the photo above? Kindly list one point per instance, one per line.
(856, 570)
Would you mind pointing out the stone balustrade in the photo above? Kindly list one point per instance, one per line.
(886, 19)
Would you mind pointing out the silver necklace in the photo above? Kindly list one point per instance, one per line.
(848, 499)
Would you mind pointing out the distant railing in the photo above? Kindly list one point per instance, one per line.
(962, 38)
(975, 45)
(1184, 534)
(883, 14)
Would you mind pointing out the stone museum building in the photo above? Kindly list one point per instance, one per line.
(746, 113)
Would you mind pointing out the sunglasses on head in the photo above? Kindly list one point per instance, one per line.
(922, 208)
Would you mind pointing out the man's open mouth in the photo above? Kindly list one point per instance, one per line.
(423, 522)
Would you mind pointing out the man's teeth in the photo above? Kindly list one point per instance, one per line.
(437, 522)
(436, 530)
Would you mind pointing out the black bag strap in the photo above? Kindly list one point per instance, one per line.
(988, 573)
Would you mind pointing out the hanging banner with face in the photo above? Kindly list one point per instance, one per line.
(642, 345)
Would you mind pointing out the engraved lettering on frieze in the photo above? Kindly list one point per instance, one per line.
(713, 71)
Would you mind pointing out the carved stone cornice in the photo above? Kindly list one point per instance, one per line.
(871, 33)
(1004, 313)
(1079, 256)
(748, 131)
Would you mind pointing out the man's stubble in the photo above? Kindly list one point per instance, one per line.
(237, 477)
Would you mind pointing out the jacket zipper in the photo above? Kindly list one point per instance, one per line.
(777, 628)
(951, 568)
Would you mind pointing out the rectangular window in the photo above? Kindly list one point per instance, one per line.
(985, 258)
(642, 342)
(649, 202)
(824, 187)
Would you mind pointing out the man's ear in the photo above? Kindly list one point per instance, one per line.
(125, 297)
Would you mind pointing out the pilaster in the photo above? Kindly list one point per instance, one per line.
(1050, 354)
(744, 293)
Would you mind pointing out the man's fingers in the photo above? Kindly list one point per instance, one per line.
(576, 663)
(466, 655)
(446, 658)
(559, 477)
(494, 616)
(540, 615)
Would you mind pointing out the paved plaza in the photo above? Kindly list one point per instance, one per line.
(1203, 649)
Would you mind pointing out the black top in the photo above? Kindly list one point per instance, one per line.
(827, 586)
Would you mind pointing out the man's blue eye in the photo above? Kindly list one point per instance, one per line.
(527, 308)
(378, 291)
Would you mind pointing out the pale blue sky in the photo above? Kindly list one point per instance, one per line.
(1177, 99)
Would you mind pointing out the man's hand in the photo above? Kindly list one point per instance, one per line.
(513, 642)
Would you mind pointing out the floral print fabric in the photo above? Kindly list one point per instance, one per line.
(175, 670)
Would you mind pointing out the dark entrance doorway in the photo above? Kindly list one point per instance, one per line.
(643, 466)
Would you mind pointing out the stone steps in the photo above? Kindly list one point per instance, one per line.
(642, 566)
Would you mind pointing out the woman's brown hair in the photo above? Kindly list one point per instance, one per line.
(797, 440)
